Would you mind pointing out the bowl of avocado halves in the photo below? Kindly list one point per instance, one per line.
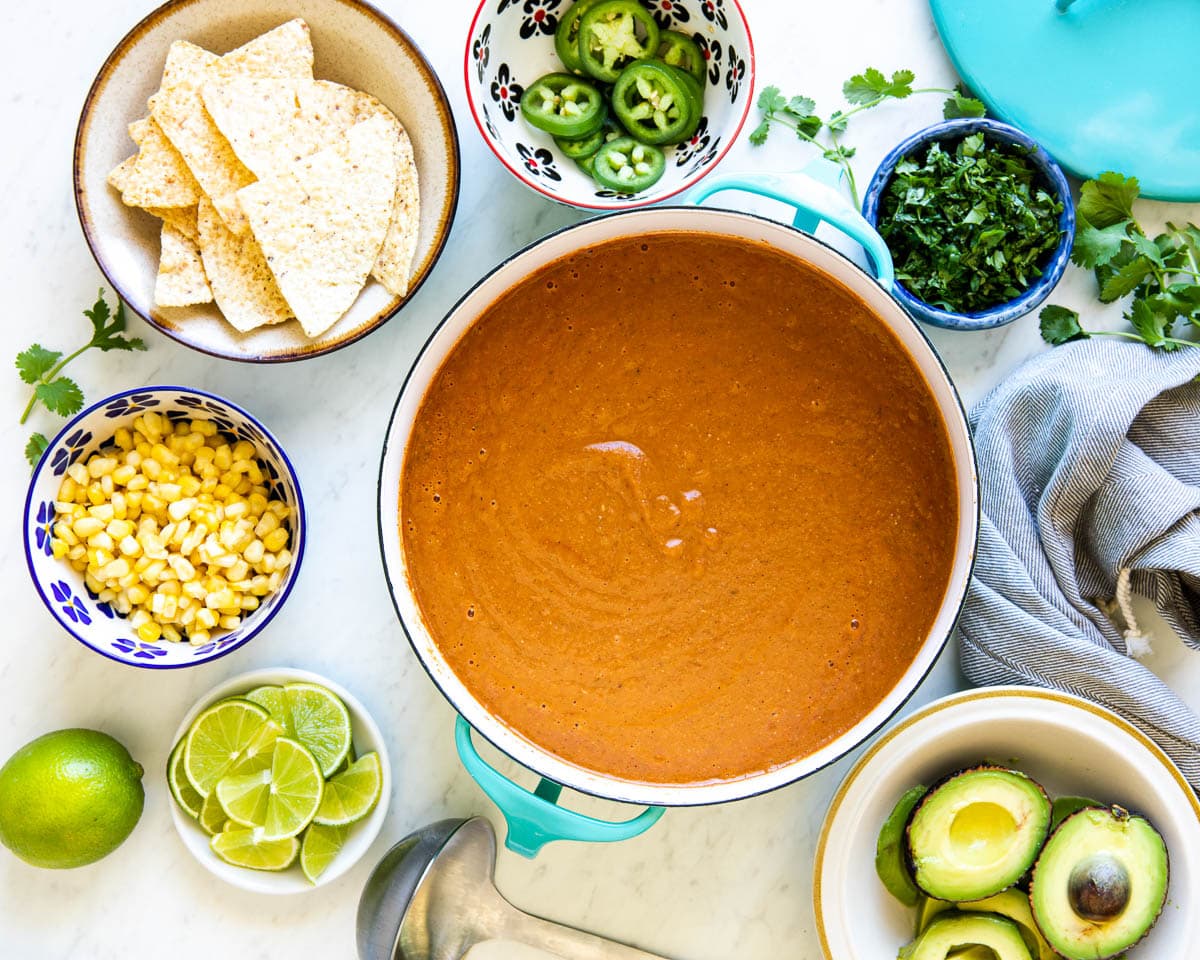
(1011, 824)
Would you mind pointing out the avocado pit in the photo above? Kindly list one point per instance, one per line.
(1098, 888)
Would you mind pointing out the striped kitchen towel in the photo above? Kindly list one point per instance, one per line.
(1089, 468)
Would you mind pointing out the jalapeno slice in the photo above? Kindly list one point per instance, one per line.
(566, 37)
(696, 89)
(563, 105)
(581, 148)
(614, 33)
(654, 102)
(628, 166)
(680, 50)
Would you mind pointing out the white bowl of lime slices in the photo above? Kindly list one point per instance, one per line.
(279, 780)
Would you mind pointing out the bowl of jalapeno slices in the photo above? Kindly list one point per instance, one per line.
(609, 104)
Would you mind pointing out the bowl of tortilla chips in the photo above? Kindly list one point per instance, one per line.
(266, 181)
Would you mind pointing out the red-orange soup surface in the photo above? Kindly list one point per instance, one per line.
(679, 508)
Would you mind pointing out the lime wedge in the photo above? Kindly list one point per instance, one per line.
(181, 787)
(350, 796)
(271, 698)
(213, 818)
(248, 848)
(320, 846)
(282, 799)
(217, 737)
(320, 721)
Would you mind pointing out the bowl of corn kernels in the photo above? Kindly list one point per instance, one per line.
(164, 527)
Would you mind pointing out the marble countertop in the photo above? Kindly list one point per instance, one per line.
(710, 883)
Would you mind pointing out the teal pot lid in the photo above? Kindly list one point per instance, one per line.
(1102, 84)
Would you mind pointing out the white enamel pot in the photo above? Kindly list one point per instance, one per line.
(534, 819)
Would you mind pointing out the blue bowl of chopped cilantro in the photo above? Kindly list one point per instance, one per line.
(979, 220)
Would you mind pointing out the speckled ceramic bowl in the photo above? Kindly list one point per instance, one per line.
(1052, 177)
(511, 44)
(96, 625)
(355, 45)
(1071, 746)
(360, 835)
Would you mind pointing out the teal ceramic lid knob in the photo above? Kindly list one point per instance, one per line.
(1102, 84)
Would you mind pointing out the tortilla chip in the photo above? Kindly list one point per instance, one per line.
(156, 175)
(321, 224)
(181, 219)
(241, 281)
(178, 106)
(393, 266)
(181, 279)
(273, 123)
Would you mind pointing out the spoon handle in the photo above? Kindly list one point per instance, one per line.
(567, 942)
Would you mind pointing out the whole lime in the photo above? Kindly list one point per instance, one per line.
(69, 798)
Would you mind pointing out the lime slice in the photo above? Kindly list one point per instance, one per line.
(321, 722)
(181, 787)
(320, 846)
(350, 796)
(217, 737)
(282, 799)
(258, 753)
(271, 698)
(248, 848)
(212, 817)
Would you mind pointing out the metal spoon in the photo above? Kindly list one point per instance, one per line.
(433, 897)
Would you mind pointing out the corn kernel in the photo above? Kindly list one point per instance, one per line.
(276, 539)
(58, 548)
(79, 473)
(66, 490)
(207, 618)
(87, 527)
(149, 632)
(171, 634)
(198, 638)
(151, 468)
(229, 622)
(120, 505)
(137, 594)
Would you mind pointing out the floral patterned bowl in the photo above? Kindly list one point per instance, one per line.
(511, 44)
(62, 589)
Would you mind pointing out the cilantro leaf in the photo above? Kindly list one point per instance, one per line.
(1060, 325)
(36, 362)
(1125, 279)
(807, 127)
(35, 447)
(61, 396)
(771, 100)
(801, 107)
(1153, 327)
(1108, 199)
(758, 136)
(958, 105)
(1095, 247)
(871, 84)
(107, 336)
(864, 87)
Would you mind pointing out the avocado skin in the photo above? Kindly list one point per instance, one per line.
(931, 795)
(950, 932)
(1048, 926)
(891, 857)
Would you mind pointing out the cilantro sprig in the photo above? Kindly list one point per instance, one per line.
(42, 369)
(864, 91)
(1162, 274)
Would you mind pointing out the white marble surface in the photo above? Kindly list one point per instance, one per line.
(708, 883)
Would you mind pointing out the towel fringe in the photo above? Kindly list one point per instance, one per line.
(1137, 643)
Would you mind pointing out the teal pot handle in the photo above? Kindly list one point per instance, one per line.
(814, 195)
(535, 819)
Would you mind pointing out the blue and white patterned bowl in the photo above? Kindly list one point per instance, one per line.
(62, 589)
(511, 44)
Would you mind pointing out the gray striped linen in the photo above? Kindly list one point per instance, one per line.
(1089, 463)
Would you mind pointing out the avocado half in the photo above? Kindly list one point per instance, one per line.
(977, 833)
(1100, 883)
(959, 934)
